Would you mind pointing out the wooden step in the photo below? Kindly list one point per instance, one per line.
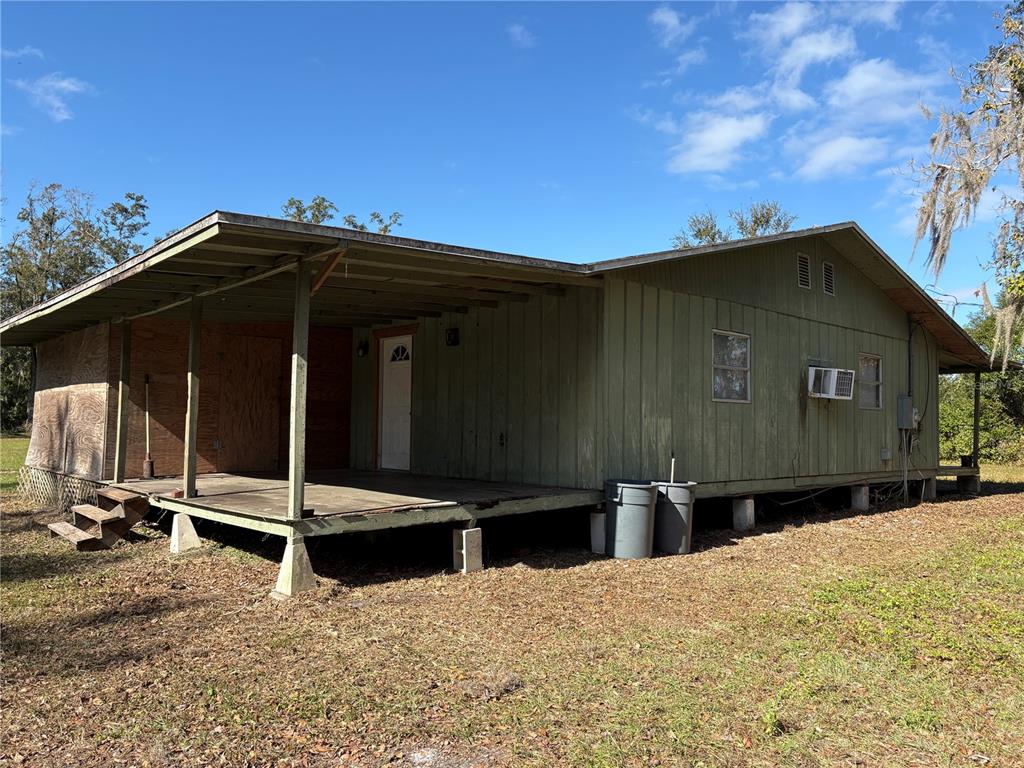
(83, 541)
(93, 514)
(118, 495)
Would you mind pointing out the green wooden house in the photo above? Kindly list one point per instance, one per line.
(306, 380)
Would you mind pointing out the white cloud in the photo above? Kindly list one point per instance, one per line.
(7, 130)
(739, 98)
(815, 48)
(774, 28)
(49, 93)
(937, 14)
(791, 98)
(842, 155)
(669, 26)
(21, 53)
(713, 143)
(663, 123)
(885, 13)
(521, 36)
(938, 53)
(689, 58)
(878, 91)
(792, 38)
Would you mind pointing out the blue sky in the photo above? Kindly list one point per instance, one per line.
(573, 131)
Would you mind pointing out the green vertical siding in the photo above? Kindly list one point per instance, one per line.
(595, 384)
(516, 400)
(662, 317)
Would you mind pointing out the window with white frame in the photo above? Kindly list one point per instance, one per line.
(730, 364)
(870, 387)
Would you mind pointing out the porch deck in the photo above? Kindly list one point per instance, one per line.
(340, 501)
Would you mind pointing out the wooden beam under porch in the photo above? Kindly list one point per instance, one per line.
(348, 501)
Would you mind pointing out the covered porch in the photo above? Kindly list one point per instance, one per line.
(240, 271)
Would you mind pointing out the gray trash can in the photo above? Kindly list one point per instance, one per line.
(629, 508)
(673, 517)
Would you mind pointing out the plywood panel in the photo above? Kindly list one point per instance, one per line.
(159, 349)
(70, 403)
(250, 393)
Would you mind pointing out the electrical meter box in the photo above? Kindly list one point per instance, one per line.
(904, 412)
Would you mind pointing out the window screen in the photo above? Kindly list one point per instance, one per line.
(730, 362)
(870, 387)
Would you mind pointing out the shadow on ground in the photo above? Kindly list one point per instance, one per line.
(98, 639)
(539, 540)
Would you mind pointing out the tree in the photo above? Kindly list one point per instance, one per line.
(320, 209)
(1002, 404)
(60, 243)
(760, 219)
(121, 225)
(764, 218)
(971, 151)
(384, 225)
(701, 229)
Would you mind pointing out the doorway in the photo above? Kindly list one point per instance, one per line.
(395, 426)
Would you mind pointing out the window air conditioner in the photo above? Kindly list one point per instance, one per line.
(830, 383)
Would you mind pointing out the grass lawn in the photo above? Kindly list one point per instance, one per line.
(894, 638)
(12, 455)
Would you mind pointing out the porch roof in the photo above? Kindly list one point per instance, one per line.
(242, 263)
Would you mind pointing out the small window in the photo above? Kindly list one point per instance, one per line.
(870, 394)
(828, 278)
(400, 354)
(803, 271)
(730, 363)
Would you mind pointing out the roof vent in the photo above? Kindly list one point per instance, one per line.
(830, 383)
(803, 271)
(828, 278)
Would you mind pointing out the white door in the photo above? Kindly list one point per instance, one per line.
(395, 426)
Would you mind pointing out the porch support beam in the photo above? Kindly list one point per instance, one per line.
(283, 264)
(300, 362)
(325, 272)
(123, 392)
(195, 328)
(976, 444)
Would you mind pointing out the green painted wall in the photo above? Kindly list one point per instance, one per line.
(658, 331)
(518, 399)
(571, 390)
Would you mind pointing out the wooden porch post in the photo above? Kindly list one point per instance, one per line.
(976, 445)
(297, 434)
(123, 391)
(195, 329)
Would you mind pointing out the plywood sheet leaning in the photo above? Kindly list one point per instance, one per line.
(70, 403)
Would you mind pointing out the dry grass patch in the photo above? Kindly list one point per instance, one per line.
(892, 638)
